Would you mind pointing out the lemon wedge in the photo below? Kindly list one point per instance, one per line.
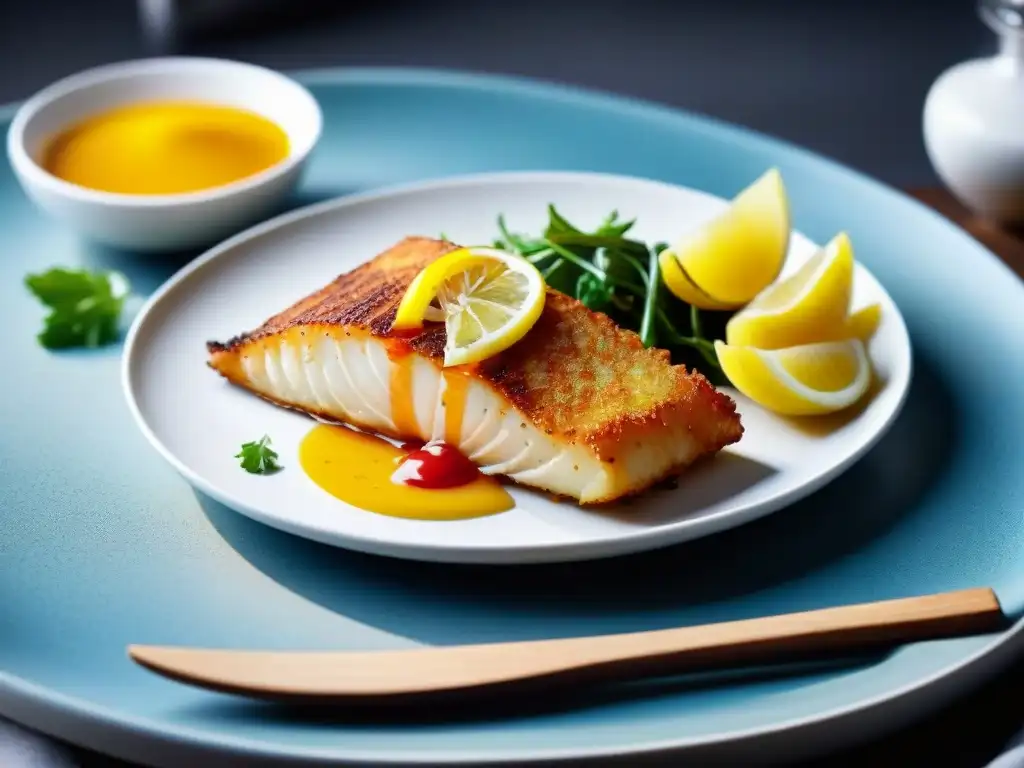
(799, 381)
(488, 300)
(809, 306)
(726, 262)
(680, 284)
(863, 323)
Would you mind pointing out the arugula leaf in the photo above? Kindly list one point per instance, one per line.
(258, 458)
(85, 307)
(558, 224)
(589, 243)
(609, 220)
(593, 293)
(562, 276)
(621, 267)
(509, 241)
(612, 227)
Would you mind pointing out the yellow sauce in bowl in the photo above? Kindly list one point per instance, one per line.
(161, 148)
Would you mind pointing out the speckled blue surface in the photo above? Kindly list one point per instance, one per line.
(102, 545)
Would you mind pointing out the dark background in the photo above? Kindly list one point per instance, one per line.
(846, 79)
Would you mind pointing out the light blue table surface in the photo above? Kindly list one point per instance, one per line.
(790, 92)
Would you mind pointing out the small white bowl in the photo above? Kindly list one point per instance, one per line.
(163, 222)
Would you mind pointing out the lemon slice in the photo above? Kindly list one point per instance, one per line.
(799, 381)
(488, 300)
(730, 259)
(809, 306)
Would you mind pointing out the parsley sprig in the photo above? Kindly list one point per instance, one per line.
(620, 276)
(258, 457)
(85, 307)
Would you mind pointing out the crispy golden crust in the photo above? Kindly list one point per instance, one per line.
(367, 297)
(575, 374)
(578, 374)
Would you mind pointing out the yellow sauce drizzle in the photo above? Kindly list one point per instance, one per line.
(402, 404)
(356, 468)
(456, 388)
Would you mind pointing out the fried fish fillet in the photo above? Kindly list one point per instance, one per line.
(578, 407)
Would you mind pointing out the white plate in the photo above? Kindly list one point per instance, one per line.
(197, 421)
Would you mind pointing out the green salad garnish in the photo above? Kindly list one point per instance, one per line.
(620, 276)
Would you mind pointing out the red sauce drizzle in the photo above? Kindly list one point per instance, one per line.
(434, 465)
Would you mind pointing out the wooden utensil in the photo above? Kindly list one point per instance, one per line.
(361, 677)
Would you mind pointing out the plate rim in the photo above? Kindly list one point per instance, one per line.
(632, 542)
(44, 707)
(96, 726)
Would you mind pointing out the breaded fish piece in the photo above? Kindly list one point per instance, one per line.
(578, 407)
